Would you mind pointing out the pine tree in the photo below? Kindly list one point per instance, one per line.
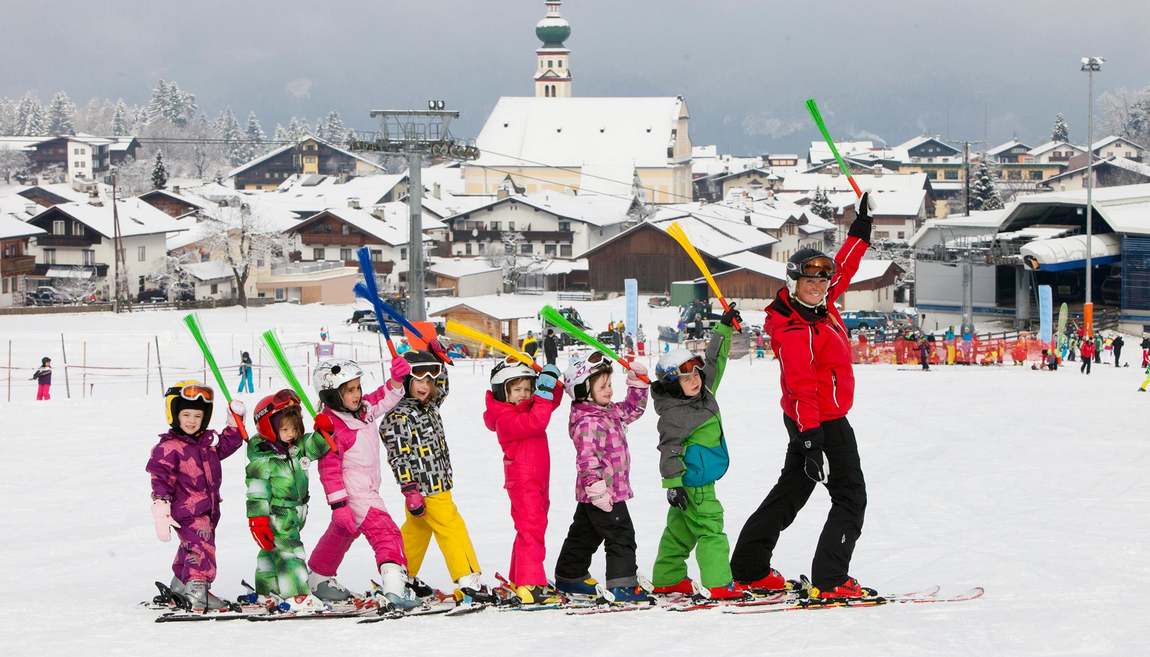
(255, 134)
(7, 117)
(984, 194)
(821, 204)
(61, 115)
(157, 107)
(1061, 130)
(297, 129)
(159, 172)
(235, 146)
(29, 116)
(35, 124)
(121, 125)
(334, 129)
(281, 135)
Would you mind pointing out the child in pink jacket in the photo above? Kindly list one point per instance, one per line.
(351, 477)
(519, 419)
(598, 428)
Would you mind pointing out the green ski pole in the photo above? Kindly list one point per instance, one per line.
(552, 316)
(277, 352)
(193, 325)
(817, 117)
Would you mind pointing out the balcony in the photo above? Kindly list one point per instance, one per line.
(66, 240)
(17, 265)
(497, 235)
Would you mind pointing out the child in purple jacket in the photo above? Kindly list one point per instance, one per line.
(185, 472)
(598, 428)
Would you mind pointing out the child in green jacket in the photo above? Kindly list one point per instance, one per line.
(693, 456)
(278, 458)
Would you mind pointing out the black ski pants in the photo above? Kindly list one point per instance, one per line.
(751, 559)
(1085, 366)
(591, 527)
(1117, 356)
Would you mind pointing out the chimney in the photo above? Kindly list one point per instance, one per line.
(502, 192)
(353, 202)
(437, 191)
(175, 189)
(31, 208)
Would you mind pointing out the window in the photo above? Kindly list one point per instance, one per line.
(550, 63)
(77, 229)
(345, 254)
(376, 255)
(467, 248)
(259, 262)
(4, 290)
(565, 226)
(58, 227)
(565, 250)
(50, 256)
(560, 63)
(1036, 175)
(1014, 175)
(482, 248)
(901, 235)
(88, 257)
(215, 288)
(951, 175)
(526, 248)
(317, 253)
(933, 175)
(882, 234)
(511, 226)
(549, 249)
(280, 294)
(495, 226)
(142, 253)
(403, 253)
(345, 229)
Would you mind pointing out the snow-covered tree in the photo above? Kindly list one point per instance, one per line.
(281, 135)
(514, 263)
(7, 117)
(334, 129)
(169, 103)
(1125, 113)
(159, 171)
(241, 238)
(236, 148)
(121, 121)
(983, 192)
(12, 162)
(255, 135)
(821, 205)
(30, 117)
(297, 129)
(61, 115)
(133, 177)
(1061, 130)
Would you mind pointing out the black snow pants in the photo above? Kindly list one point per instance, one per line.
(591, 527)
(751, 558)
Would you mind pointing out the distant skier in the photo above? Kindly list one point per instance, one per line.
(43, 378)
(246, 373)
(1117, 345)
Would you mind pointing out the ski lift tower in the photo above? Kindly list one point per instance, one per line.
(415, 133)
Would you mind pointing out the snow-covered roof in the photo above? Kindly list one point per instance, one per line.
(197, 203)
(282, 149)
(594, 209)
(563, 266)
(757, 264)
(1002, 148)
(63, 190)
(872, 269)
(209, 271)
(1106, 141)
(11, 227)
(460, 267)
(899, 203)
(195, 232)
(331, 192)
(136, 218)
(761, 214)
(830, 182)
(1051, 145)
(91, 140)
(19, 208)
(820, 152)
(121, 143)
(1115, 161)
(1052, 252)
(448, 176)
(939, 231)
(392, 229)
(716, 237)
(21, 142)
(502, 307)
(1126, 208)
(450, 205)
(573, 132)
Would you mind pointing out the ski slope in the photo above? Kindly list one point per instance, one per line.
(1031, 484)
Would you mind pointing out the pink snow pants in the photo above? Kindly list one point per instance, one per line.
(381, 533)
(43, 391)
(529, 505)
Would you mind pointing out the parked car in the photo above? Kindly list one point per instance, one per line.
(46, 295)
(152, 296)
(868, 319)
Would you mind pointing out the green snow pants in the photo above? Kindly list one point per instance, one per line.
(699, 528)
(283, 570)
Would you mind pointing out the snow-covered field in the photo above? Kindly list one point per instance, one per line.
(1031, 484)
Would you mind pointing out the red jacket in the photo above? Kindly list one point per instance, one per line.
(522, 432)
(1088, 349)
(814, 351)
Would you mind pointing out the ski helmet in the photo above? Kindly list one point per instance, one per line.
(578, 375)
(425, 365)
(808, 263)
(330, 375)
(188, 395)
(273, 409)
(674, 364)
(506, 371)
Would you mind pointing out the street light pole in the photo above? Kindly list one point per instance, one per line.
(1090, 65)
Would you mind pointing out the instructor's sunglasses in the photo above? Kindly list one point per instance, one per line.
(192, 392)
(427, 371)
(819, 267)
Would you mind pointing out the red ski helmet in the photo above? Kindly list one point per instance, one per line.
(269, 407)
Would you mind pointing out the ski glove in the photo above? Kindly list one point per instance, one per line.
(326, 428)
(262, 531)
(731, 316)
(677, 497)
(546, 382)
(162, 516)
(811, 444)
(343, 517)
(861, 226)
(400, 368)
(413, 499)
(238, 411)
(599, 496)
(637, 370)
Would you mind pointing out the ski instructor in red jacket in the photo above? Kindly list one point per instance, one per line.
(814, 353)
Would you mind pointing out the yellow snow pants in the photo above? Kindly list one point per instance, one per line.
(442, 520)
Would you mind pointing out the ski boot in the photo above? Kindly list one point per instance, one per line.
(683, 587)
(420, 588)
(585, 587)
(469, 590)
(302, 604)
(773, 582)
(202, 600)
(327, 588)
(620, 595)
(537, 595)
(394, 587)
(727, 593)
(848, 590)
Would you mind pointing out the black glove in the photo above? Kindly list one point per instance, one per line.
(677, 496)
(731, 316)
(811, 444)
(861, 226)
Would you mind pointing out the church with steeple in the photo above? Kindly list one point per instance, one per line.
(553, 69)
(554, 141)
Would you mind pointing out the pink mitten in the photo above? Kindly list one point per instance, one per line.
(162, 516)
(400, 368)
(638, 369)
(600, 496)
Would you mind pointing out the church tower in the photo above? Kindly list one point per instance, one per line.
(553, 68)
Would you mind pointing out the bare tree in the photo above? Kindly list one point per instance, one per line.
(514, 262)
(12, 162)
(242, 238)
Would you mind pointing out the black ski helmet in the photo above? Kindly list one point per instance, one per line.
(425, 364)
(800, 265)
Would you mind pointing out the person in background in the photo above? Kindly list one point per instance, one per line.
(1117, 345)
(1145, 351)
(246, 373)
(1098, 348)
(43, 378)
(1087, 355)
(530, 345)
(551, 347)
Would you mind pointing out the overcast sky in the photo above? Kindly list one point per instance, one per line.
(892, 68)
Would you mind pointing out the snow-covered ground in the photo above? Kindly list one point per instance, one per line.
(1031, 484)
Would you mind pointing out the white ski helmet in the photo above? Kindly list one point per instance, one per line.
(506, 371)
(580, 371)
(676, 363)
(330, 375)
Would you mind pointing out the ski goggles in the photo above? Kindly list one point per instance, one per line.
(598, 360)
(281, 400)
(817, 267)
(192, 392)
(686, 370)
(427, 371)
